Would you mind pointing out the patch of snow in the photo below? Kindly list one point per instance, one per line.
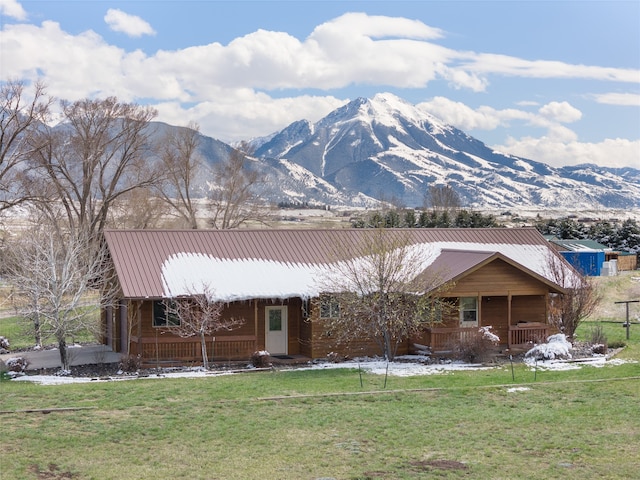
(406, 366)
(518, 389)
(399, 368)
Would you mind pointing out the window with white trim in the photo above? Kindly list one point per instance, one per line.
(468, 311)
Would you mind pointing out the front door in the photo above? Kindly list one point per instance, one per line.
(276, 330)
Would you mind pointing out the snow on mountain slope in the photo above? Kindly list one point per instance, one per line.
(387, 148)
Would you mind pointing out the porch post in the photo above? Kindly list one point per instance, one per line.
(255, 321)
(124, 331)
(509, 320)
(109, 324)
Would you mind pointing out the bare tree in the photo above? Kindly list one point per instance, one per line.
(178, 153)
(442, 198)
(138, 208)
(233, 198)
(99, 155)
(580, 300)
(54, 274)
(200, 315)
(382, 291)
(21, 115)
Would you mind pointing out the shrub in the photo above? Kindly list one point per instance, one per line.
(616, 344)
(4, 345)
(479, 347)
(557, 346)
(130, 363)
(261, 359)
(17, 364)
(597, 336)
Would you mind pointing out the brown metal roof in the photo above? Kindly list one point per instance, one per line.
(138, 255)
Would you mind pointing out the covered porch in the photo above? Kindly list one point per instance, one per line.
(519, 320)
(520, 337)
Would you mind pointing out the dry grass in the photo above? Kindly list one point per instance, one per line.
(626, 286)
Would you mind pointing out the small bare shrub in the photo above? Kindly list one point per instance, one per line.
(261, 359)
(4, 345)
(479, 347)
(130, 363)
(17, 364)
(334, 357)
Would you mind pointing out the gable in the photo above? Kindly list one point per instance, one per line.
(499, 277)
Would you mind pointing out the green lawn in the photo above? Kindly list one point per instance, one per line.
(568, 425)
(16, 330)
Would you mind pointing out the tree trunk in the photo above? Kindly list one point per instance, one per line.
(37, 330)
(64, 354)
(205, 358)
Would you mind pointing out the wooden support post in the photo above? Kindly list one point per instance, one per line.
(627, 322)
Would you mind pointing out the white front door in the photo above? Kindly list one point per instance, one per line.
(276, 330)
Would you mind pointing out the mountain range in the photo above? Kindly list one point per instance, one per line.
(385, 148)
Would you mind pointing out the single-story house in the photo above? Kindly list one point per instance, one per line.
(499, 277)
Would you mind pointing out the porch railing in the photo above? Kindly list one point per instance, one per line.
(176, 349)
(528, 333)
(444, 339)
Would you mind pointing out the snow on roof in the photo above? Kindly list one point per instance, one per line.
(238, 279)
(245, 264)
(228, 280)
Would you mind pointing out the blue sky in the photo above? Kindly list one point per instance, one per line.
(554, 81)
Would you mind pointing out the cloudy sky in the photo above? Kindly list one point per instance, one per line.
(554, 81)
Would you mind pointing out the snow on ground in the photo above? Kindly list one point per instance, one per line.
(556, 365)
(406, 366)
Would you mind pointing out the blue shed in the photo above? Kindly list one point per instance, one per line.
(587, 262)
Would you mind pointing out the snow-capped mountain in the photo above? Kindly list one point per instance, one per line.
(385, 148)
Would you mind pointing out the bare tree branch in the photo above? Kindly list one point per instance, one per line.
(20, 118)
(200, 316)
(233, 199)
(580, 300)
(100, 155)
(178, 154)
(383, 290)
(54, 274)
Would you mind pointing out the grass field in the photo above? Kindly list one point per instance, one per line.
(572, 424)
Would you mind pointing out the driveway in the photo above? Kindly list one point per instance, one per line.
(79, 355)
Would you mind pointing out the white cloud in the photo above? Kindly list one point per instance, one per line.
(466, 118)
(489, 63)
(625, 99)
(13, 9)
(557, 147)
(130, 25)
(557, 152)
(561, 112)
(243, 114)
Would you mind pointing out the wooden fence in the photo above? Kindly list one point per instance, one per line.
(169, 349)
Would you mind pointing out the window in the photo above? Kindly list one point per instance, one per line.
(329, 307)
(468, 311)
(163, 316)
